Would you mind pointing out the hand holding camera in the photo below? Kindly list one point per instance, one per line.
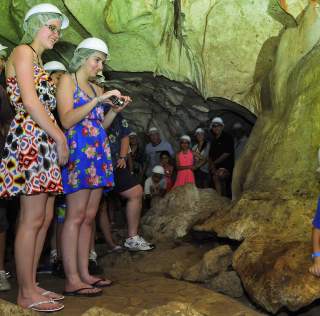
(118, 102)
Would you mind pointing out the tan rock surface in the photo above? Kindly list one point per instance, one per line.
(175, 214)
(137, 293)
(213, 262)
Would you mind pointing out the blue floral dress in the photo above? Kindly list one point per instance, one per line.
(90, 164)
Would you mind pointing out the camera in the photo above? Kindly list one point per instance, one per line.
(116, 101)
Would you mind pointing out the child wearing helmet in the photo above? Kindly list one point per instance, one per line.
(155, 186)
(184, 163)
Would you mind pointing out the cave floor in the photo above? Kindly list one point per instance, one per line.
(139, 283)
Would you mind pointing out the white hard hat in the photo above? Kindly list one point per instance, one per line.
(95, 44)
(47, 8)
(185, 137)
(199, 131)
(54, 66)
(3, 47)
(153, 130)
(133, 134)
(158, 169)
(217, 120)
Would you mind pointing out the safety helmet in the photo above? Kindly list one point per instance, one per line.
(185, 137)
(199, 131)
(217, 120)
(153, 130)
(158, 170)
(95, 44)
(54, 66)
(47, 8)
(3, 47)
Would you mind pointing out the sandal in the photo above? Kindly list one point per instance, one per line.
(48, 294)
(85, 294)
(101, 285)
(36, 306)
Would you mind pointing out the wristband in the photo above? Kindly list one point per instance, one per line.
(315, 254)
(99, 99)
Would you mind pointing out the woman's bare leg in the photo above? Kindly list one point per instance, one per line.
(31, 219)
(85, 236)
(71, 241)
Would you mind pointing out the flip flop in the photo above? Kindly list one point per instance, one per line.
(36, 306)
(48, 293)
(78, 292)
(100, 286)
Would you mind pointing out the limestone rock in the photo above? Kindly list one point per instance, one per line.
(8, 309)
(275, 272)
(98, 311)
(179, 210)
(213, 262)
(172, 309)
(222, 47)
(227, 283)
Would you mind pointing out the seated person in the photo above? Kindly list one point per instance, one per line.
(155, 186)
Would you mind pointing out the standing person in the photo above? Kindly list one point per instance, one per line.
(153, 150)
(201, 152)
(56, 70)
(221, 157)
(6, 116)
(34, 149)
(126, 184)
(89, 168)
(3, 56)
(184, 163)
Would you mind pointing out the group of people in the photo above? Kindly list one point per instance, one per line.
(67, 149)
(58, 144)
(208, 162)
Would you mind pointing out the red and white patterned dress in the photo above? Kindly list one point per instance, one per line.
(30, 161)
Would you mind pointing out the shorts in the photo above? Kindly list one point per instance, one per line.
(124, 180)
(3, 216)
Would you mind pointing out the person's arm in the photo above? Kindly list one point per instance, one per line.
(22, 60)
(221, 159)
(315, 268)
(121, 163)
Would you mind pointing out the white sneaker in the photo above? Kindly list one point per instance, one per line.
(137, 243)
(93, 255)
(53, 256)
(4, 283)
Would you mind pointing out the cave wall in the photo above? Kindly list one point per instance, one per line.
(221, 47)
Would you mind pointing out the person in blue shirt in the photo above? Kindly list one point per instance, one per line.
(315, 268)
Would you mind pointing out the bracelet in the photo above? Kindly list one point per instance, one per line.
(315, 254)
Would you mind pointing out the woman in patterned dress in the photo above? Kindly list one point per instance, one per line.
(34, 149)
(89, 168)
